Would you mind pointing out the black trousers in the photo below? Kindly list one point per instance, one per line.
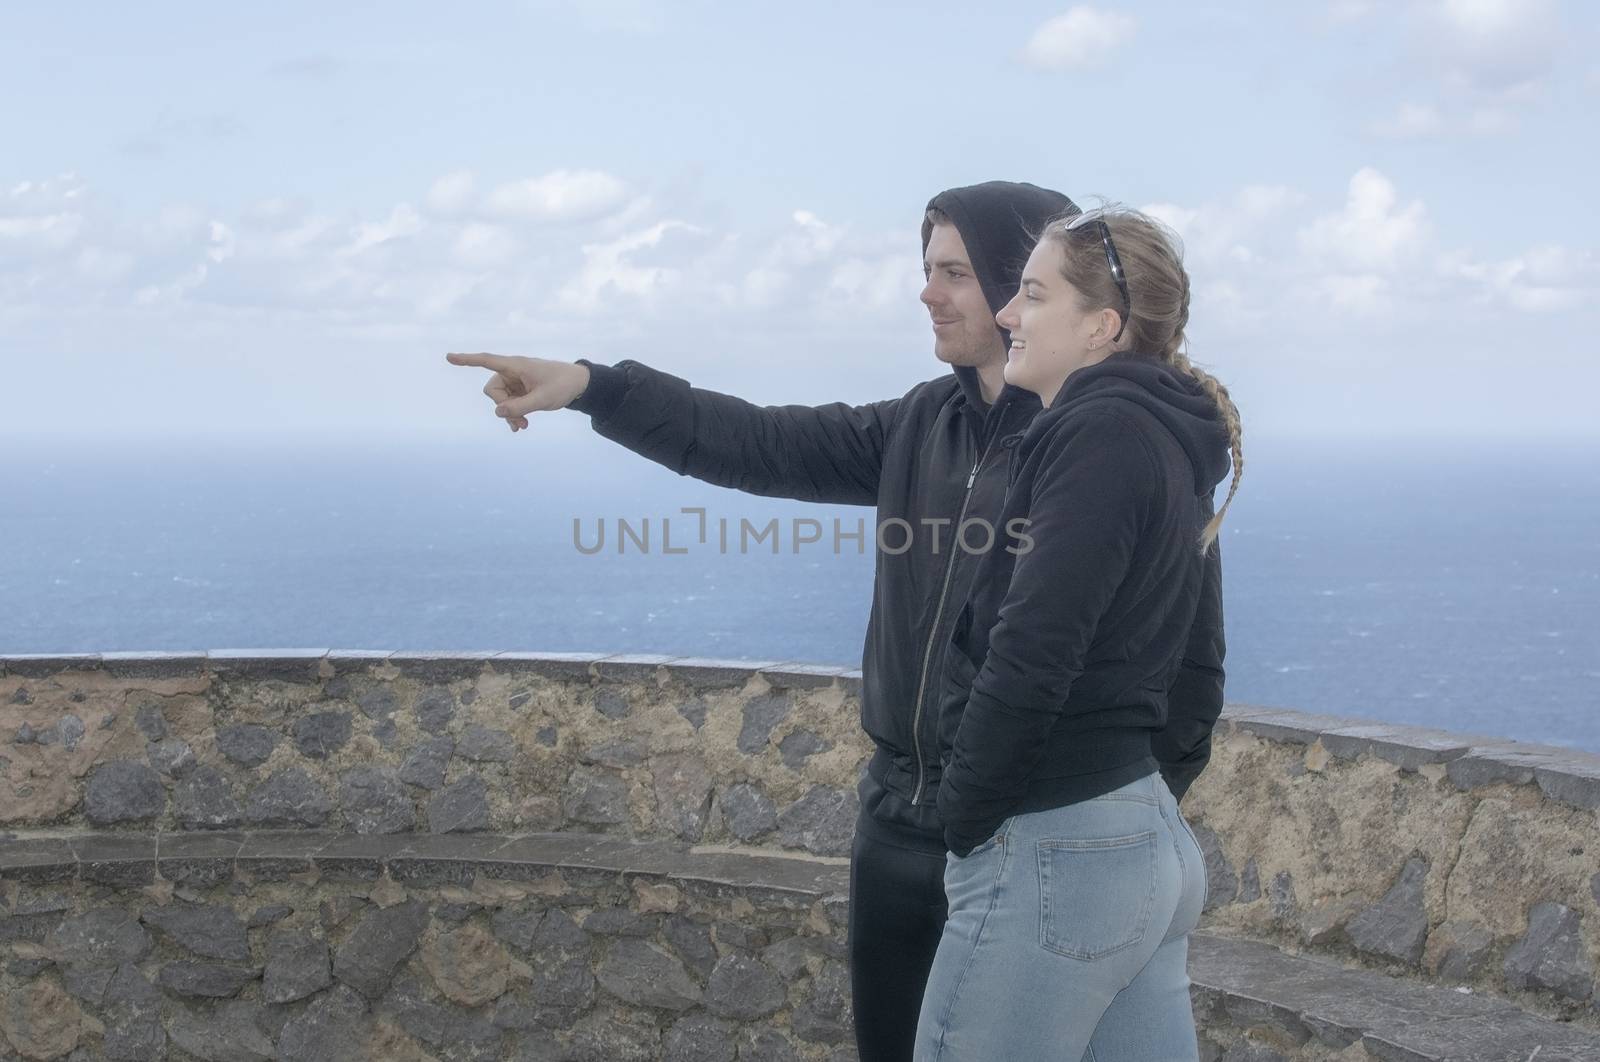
(897, 915)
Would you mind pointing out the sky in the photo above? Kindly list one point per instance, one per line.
(233, 222)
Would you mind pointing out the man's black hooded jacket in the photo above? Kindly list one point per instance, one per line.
(938, 453)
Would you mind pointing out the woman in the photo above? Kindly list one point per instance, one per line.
(1072, 880)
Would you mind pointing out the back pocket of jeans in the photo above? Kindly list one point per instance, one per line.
(1095, 894)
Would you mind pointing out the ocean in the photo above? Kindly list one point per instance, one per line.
(1442, 584)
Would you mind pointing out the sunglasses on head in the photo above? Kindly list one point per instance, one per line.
(1093, 218)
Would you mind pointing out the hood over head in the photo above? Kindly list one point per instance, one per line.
(998, 221)
(1175, 398)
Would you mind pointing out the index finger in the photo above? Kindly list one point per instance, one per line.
(483, 361)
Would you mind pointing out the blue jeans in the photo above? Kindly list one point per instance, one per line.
(1068, 937)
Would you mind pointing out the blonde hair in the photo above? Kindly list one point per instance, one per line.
(1158, 289)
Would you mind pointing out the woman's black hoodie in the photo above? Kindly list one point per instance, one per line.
(1062, 659)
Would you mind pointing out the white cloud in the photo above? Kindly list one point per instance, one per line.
(452, 193)
(1083, 37)
(1543, 279)
(1373, 231)
(1411, 121)
(609, 270)
(562, 195)
(480, 246)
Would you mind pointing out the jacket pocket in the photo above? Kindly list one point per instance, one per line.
(1096, 893)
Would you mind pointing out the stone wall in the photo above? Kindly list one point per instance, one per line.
(331, 854)
(1467, 861)
(387, 742)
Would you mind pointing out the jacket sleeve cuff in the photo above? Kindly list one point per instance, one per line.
(607, 387)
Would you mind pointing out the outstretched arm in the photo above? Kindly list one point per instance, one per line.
(826, 453)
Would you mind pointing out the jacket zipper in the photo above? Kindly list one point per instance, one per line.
(938, 615)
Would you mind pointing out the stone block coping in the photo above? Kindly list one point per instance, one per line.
(1249, 985)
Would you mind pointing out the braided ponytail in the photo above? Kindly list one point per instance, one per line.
(1152, 258)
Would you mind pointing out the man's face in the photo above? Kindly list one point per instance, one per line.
(964, 332)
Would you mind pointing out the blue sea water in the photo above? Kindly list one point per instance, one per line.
(1450, 585)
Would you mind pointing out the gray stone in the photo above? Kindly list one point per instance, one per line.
(823, 1016)
(88, 983)
(602, 1038)
(1551, 955)
(320, 734)
(70, 730)
(767, 1045)
(133, 1011)
(246, 744)
(337, 910)
(172, 757)
(453, 1032)
(385, 732)
(749, 814)
(1250, 882)
(485, 745)
(743, 989)
(1396, 927)
(208, 931)
(596, 796)
(611, 704)
(377, 703)
(738, 935)
(558, 933)
(151, 722)
(517, 700)
(208, 980)
(24, 969)
(638, 972)
(123, 791)
(1281, 896)
(271, 914)
(1222, 883)
(797, 747)
(461, 806)
(692, 940)
(25, 734)
(106, 936)
(230, 1033)
(374, 801)
(288, 798)
(698, 1038)
(623, 752)
(434, 709)
(761, 714)
(1463, 950)
(204, 801)
(425, 765)
(788, 956)
(694, 710)
(516, 927)
(297, 966)
(620, 922)
(822, 821)
(546, 736)
(378, 945)
(1247, 1051)
(683, 793)
(332, 1029)
(1324, 923)
(566, 985)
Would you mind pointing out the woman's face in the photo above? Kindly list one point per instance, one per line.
(1052, 336)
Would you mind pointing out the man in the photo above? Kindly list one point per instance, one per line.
(935, 458)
